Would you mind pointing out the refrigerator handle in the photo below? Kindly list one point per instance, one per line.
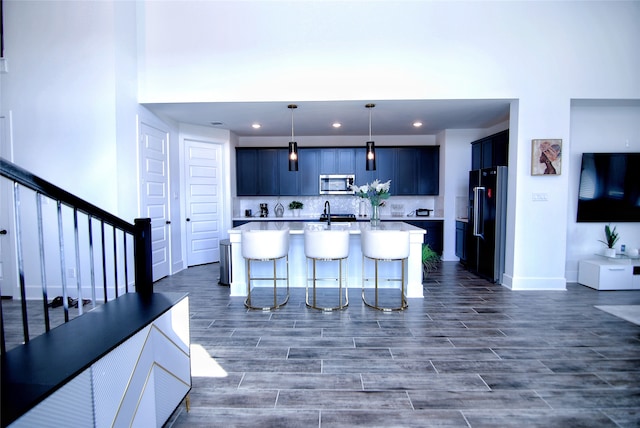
(478, 215)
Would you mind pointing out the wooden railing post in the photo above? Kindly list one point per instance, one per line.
(142, 256)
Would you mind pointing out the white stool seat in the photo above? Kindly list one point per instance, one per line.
(264, 246)
(385, 246)
(326, 245)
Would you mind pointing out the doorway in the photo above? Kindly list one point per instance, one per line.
(154, 194)
(8, 268)
(203, 201)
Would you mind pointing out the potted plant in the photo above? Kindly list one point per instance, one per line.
(430, 259)
(296, 206)
(611, 238)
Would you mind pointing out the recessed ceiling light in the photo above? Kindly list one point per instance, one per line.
(417, 124)
(256, 126)
(336, 124)
(216, 123)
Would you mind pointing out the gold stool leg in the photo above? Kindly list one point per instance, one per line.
(342, 303)
(275, 278)
(376, 305)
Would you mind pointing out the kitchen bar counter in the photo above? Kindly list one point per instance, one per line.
(297, 259)
(313, 218)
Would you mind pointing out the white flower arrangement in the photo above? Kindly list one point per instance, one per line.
(375, 191)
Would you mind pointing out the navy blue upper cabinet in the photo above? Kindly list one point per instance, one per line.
(257, 172)
(407, 174)
(268, 177)
(386, 166)
(362, 175)
(309, 171)
(337, 160)
(289, 180)
(428, 170)
(490, 151)
(246, 172)
(413, 170)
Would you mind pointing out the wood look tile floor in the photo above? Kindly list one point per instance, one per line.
(470, 354)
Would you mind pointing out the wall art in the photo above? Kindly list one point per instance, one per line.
(546, 157)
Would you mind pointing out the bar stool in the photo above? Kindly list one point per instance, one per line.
(265, 246)
(385, 246)
(326, 245)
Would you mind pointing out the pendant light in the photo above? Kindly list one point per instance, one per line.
(371, 146)
(293, 146)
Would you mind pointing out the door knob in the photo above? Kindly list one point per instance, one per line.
(168, 222)
(3, 232)
(188, 219)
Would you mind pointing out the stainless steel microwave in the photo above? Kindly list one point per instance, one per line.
(337, 184)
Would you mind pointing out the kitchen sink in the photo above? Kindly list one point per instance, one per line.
(339, 217)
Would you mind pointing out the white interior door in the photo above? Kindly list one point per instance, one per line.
(154, 194)
(8, 268)
(203, 201)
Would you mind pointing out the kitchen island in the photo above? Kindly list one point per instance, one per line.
(297, 259)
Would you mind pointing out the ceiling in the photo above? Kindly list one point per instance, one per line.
(315, 118)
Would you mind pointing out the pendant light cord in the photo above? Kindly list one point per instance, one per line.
(292, 107)
(370, 106)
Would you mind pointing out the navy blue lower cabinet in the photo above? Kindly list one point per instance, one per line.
(434, 235)
(461, 241)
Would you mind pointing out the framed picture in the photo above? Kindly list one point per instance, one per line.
(546, 157)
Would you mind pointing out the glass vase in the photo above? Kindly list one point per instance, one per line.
(375, 215)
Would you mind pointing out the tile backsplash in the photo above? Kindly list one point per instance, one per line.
(340, 204)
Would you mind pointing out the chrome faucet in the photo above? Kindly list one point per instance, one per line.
(327, 212)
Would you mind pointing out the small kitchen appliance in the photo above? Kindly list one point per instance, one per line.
(264, 210)
(423, 212)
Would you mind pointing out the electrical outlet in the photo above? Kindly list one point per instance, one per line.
(71, 272)
(539, 197)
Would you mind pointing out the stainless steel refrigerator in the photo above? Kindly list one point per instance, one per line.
(487, 222)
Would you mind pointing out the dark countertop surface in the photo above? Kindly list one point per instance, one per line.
(32, 372)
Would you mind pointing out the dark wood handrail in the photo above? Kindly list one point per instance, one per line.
(25, 178)
(141, 229)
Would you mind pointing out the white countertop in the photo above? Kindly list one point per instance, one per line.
(297, 227)
(311, 218)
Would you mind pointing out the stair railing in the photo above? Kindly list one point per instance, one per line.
(124, 235)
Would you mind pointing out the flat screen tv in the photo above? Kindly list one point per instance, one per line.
(609, 188)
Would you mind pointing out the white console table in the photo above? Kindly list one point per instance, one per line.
(608, 273)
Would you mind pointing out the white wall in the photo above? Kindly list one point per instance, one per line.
(598, 127)
(352, 50)
(71, 91)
